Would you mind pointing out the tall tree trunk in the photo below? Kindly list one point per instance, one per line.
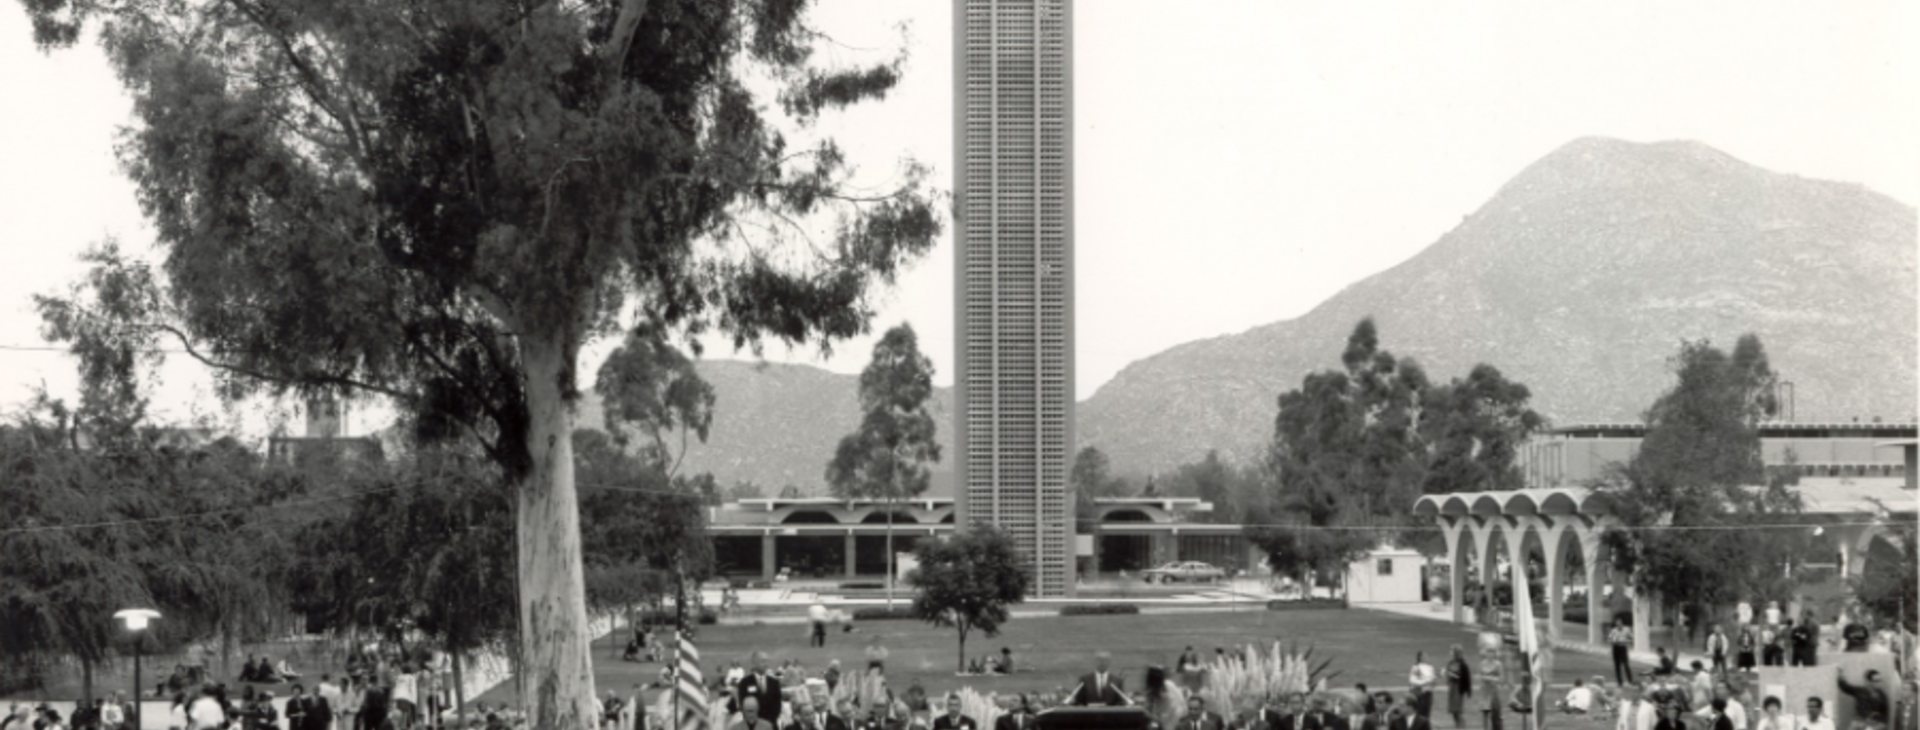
(459, 690)
(553, 610)
(890, 502)
(86, 680)
(960, 667)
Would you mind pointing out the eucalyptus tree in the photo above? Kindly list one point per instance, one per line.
(441, 201)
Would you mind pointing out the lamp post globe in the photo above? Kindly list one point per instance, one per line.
(136, 620)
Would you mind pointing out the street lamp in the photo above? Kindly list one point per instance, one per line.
(136, 619)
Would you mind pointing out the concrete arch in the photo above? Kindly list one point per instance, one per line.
(900, 517)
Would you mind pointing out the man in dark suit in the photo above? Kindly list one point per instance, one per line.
(821, 717)
(1322, 718)
(953, 720)
(1101, 687)
(1018, 718)
(319, 713)
(1292, 717)
(1198, 718)
(1407, 718)
(1383, 715)
(761, 686)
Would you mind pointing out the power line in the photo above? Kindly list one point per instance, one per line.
(300, 503)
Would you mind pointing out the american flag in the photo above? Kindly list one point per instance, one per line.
(1530, 653)
(689, 690)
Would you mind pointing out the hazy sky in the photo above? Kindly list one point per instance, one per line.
(1237, 162)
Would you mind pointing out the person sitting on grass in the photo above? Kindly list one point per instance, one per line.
(1579, 700)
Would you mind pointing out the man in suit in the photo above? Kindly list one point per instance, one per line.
(1321, 717)
(750, 718)
(1018, 718)
(1383, 713)
(822, 713)
(760, 686)
(1407, 717)
(319, 712)
(953, 720)
(1198, 718)
(1292, 717)
(1100, 687)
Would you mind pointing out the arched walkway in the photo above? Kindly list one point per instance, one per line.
(1493, 537)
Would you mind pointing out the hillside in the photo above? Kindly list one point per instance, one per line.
(778, 424)
(1579, 278)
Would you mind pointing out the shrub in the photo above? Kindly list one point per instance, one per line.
(1306, 604)
(1098, 609)
(882, 613)
(665, 618)
(863, 585)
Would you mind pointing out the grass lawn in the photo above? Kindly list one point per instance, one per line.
(1366, 646)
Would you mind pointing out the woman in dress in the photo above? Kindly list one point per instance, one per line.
(1748, 645)
(1459, 685)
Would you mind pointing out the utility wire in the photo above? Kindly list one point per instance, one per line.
(297, 504)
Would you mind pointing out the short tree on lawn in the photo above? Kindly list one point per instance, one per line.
(967, 582)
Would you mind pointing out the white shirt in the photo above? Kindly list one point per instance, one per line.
(1702, 689)
(329, 692)
(177, 716)
(1637, 715)
(1735, 713)
(111, 714)
(206, 713)
(404, 687)
(1580, 698)
(1421, 675)
(734, 675)
(1824, 723)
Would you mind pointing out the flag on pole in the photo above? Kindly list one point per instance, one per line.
(690, 691)
(1529, 636)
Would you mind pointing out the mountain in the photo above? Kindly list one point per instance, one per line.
(777, 424)
(1580, 277)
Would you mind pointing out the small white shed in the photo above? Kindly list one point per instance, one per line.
(1386, 575)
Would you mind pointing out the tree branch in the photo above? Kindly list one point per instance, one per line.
(186, 345)
(617, 46)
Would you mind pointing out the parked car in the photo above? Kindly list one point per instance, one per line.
(1189, 571)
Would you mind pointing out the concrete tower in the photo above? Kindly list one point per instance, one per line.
(1013, 159)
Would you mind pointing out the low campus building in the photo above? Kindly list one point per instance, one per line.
(826, 537)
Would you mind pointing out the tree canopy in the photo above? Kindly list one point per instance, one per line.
(1354, 448)
(1696, 502)
(888, 456)
(440, 202)
(968, 581)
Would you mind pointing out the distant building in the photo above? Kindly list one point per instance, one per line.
(1013, 269)
(822, 537)
(326, 439)
(1578, 455)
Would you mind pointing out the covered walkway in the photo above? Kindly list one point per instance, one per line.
(1559, 531)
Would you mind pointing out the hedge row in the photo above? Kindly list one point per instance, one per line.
(1310, 604)
(883, 613)
(665, 618)
(1098, 609)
